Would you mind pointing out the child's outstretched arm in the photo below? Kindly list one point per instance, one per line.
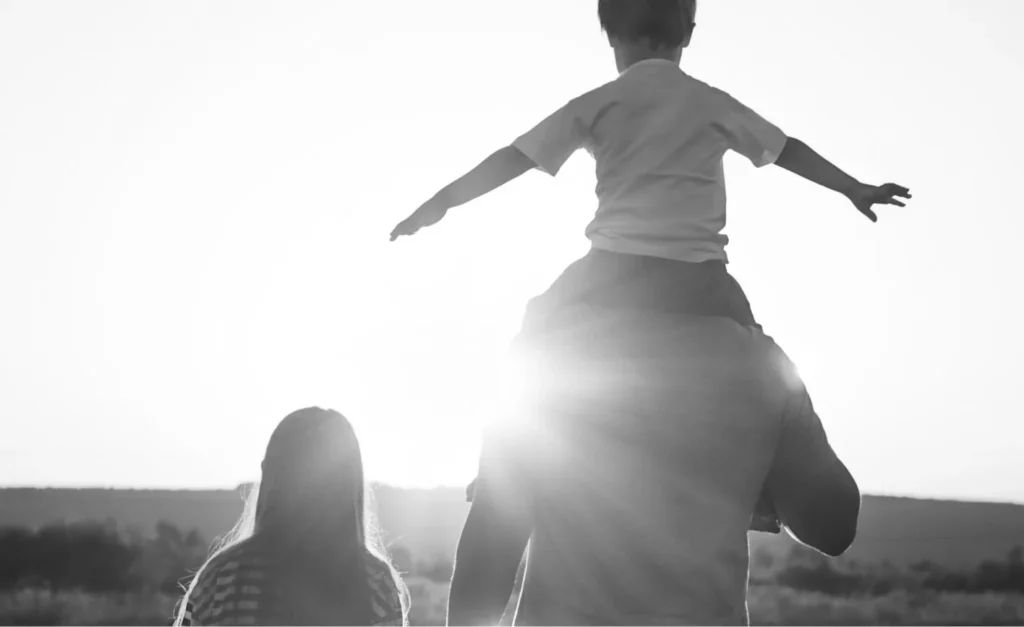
(800, 159)
(501, 167)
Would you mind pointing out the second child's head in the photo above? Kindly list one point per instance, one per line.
(310, 517)
(647, 29)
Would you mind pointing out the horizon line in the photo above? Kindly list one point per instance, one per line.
(395, 486)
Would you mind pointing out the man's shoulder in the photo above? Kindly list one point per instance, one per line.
(767, 357)
(716, 340)
(648, 329)
(716, 332)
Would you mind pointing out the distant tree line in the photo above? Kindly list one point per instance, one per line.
(101, 558)
(806, 570)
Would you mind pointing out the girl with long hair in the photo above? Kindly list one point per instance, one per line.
(305, 550)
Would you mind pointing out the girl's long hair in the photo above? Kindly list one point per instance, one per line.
(312, 512)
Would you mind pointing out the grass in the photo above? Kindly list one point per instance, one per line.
(769, 605)
(783, 606)
(429, 601)
(42, 607)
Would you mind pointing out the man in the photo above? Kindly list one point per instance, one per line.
(634, 471)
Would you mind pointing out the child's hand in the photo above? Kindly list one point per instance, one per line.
(864, 196)
(429, 213)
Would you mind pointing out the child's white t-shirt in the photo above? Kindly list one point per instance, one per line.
(658, 136)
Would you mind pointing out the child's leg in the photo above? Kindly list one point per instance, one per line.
(620, 281)
(734, 299)
(596, 278)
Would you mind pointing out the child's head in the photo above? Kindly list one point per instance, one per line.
(653, 28)
(310, 506)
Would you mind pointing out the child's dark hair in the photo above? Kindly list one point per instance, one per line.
(663, 23)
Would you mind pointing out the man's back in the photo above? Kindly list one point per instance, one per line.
(644, 469)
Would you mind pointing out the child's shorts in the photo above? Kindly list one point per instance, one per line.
(607, 280)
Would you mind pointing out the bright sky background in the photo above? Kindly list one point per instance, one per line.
(195, 199)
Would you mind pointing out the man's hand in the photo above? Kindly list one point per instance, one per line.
(429, 213)
(864, 197)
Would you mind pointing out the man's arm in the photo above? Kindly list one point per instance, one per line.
(486, 562)
(504, 165)
(802, 160)
(814, 494)
(822, 513)
(496, 531)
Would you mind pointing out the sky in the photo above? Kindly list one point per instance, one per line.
(195, 199)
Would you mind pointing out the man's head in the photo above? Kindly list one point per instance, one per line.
(639, 29)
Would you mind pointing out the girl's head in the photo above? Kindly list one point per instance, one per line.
(310, 510)
(655, 28)
(311, 496)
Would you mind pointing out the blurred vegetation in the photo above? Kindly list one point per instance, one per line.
(98, 558)
(96, 573)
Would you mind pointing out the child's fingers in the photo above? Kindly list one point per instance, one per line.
(869, 213)
(402, 229)
(896, 190)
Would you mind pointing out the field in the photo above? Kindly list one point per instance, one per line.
(914, 563)
(901, 531)
(782, 606)
(768, 606)
(43, 607)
